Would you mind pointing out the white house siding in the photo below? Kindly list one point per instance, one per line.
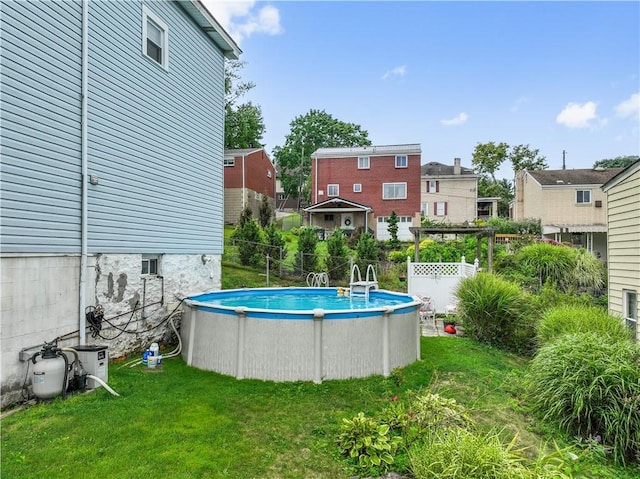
(155, 143)
(624, 240)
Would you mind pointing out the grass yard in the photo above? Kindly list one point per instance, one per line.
(185, 423)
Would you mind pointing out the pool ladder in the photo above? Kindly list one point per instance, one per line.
(362, 287)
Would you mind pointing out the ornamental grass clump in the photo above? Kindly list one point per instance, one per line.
(570, 319)
(589, 385)
(496, 312)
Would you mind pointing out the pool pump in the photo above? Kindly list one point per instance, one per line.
(50, 373)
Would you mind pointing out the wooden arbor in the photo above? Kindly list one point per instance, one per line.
(480, 232)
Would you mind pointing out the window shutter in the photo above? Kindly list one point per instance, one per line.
(437, 186)
(435, 208)
(428, 191)
(446, 204)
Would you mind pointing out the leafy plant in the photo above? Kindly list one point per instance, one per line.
(496, 312)
(368, 443)
(394, 242)
(589, 385)
(275, 246)
(366, 251)
(248, 238)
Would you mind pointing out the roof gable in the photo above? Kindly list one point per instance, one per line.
(623, 175)
(337, 202)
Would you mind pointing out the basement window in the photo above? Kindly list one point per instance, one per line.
(630, 308)
(150, 264)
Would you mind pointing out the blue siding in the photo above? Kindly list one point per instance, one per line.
(40, 117)
(155, 137)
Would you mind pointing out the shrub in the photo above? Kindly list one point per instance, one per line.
(248, 237)
(589, 272)
(366, 252)
(306, 258)
(462, 454)
(589, 385)
(367, 443)
(570, 319)
(274, 246)
(337, 256)
(496, 312)
(265, 212)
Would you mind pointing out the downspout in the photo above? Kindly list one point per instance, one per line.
(244, 191)
(84, 166)
(316, 182)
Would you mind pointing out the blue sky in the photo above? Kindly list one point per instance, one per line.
(448, 75)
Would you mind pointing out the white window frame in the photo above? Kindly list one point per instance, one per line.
(424, 209)
(402, 194)
(630, 308)
(364, 163)
(148, 15)
(441, 208)
(229, 162)
(583, 202)
(333, 189)
(357, 187)
(150, 263)
(400, 163)
(432, 186)
(269, 174)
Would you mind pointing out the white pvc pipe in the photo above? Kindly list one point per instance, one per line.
(105, 385)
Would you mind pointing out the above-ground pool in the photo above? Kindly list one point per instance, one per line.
(292, 334)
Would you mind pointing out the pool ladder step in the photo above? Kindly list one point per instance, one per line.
(358, 286)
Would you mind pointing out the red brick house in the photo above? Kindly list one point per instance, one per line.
(362, 186)
(248, 175)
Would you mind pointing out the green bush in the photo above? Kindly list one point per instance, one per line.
(496, 312)
(589, 385)
(366, 252)
(306, 258)
(248, 238)
(337, 256)
(570, 319)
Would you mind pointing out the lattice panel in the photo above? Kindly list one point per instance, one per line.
(436, 269)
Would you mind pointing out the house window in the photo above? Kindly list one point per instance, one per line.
(402, 161)
(424, 209)
(433, 186)
(394, 191)
(333, 190)
(630, 308)
(268, 173)
(363, 163)
(281, 196)
(155, 38)
(583, 196)
(440, 208)
(149, 264)
(357, 188)
(328, 217)
(382, 219)
(229, 162)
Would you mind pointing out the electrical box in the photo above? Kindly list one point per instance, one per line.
(95, 361)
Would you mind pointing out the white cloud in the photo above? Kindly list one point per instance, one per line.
(461, 119)
(577, 115)
(630, 108)
(241, 20)
(397, 71)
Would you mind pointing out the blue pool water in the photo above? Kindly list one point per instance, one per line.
(300, 299)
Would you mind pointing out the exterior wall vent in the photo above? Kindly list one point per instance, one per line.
(598, 203)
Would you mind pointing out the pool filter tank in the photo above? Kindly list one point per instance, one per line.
(49, 373)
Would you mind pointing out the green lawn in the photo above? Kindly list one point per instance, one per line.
(185, 423)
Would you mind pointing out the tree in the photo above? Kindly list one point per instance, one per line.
(366, 252)
(337, 256)
(265, 213)
(243, 125)
(487, 158)
(617, 162)
(275, 245)
(522, 157)
(248, 237)
(394, 243)
(316, 129)
(307, 259)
